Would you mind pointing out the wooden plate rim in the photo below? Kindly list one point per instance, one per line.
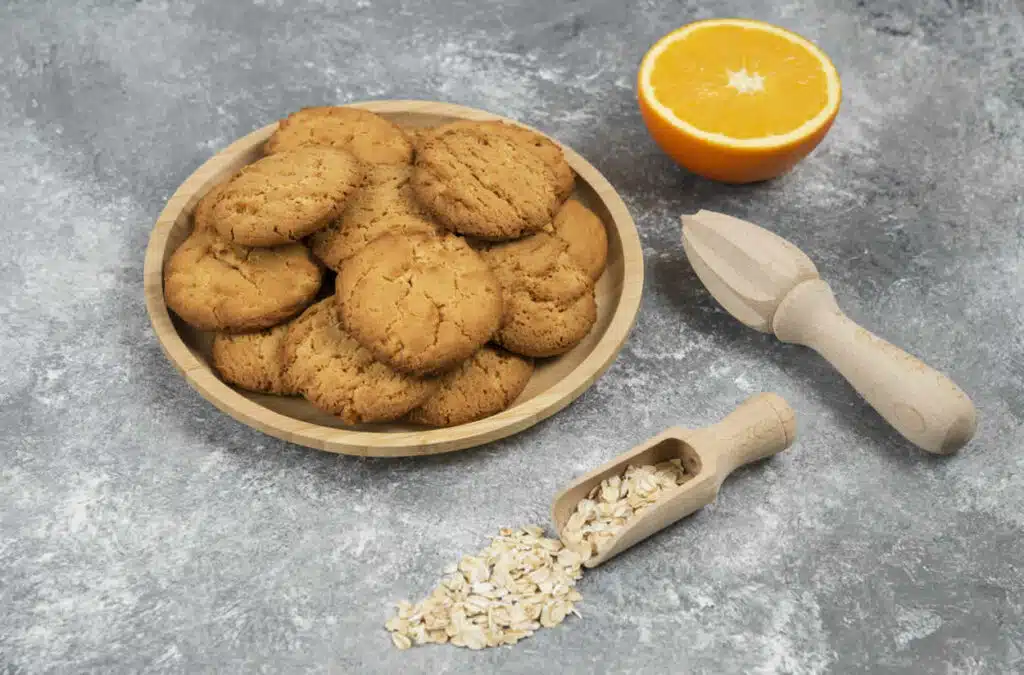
(391, 444)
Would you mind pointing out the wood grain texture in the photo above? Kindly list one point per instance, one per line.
(921, 403)
(772, 286)
(760, 427)
(747, 268)
(554, 385)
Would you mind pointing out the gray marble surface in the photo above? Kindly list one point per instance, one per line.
(143, 531)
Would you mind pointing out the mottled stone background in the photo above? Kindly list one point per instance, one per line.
(142, 530)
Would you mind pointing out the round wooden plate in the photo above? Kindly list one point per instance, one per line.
(555, 383)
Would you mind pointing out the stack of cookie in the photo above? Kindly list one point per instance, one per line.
(457, 253)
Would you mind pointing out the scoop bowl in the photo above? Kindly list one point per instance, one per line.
(760, 427)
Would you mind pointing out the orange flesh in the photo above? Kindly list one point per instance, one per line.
(691, 77)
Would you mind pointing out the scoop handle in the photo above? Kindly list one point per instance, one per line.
(760, 427)
(918, 401)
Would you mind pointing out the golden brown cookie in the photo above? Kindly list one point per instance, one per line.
(484, 183)
(584, 236)
(368, 136)
(214, 285)
(286, 196)
(417, 136)
(549, 304)
(541, 328)
(202, 215)
(337, 375)
(419, 303)
(253, 361)
(481, 386)
(386, 204)
(543, 147)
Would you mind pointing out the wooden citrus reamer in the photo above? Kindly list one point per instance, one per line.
(772, 286)
(761, 426)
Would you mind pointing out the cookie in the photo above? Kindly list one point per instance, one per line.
(202, 214)
(484, 385)
(253, 361)
(547, 151)
(339, 376)
(214, 285)
(483, 183)
(584, 236)
(549, 303)
(368, 136)
(286, 196)
(419, 303)
(418, 136)
(386, 204)
(542, 328)
(543, 147)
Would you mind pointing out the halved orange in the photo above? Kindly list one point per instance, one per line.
(737, 100)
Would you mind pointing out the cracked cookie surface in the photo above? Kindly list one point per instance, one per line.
(545, 328)
(385, 204)
(253, 361)
(541, 146)
(420, 303)
(368, 136)
(284, 197)
(418, 135)
(478, 182)
(584, 236)
(338, 375)
(549, 303)
(214, 285)
(479, 387)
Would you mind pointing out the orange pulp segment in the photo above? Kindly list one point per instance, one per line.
(737, 100)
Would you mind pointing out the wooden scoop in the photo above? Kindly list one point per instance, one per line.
(770, 285)
(761, 426)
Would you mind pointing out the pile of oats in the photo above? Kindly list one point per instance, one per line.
(504, 593)
(611, 505)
